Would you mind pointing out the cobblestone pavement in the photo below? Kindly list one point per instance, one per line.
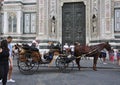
(107, 74)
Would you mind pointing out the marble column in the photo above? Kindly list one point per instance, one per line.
(41, 17)
(5, 30)
(19, 25)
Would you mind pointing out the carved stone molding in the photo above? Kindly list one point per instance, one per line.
(65, 1)
(11, 7)
(29, 8)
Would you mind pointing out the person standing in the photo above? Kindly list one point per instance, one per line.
(103, 56)
(72, 49)
(15, 51)
(9, 40)
(35, 44)
(65, 47)
(4, 65)
(111, 55)
(118, 58)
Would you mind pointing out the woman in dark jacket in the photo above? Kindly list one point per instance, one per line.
(4, 65)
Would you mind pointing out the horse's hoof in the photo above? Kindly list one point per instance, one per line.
(95, 69)
(79, 69)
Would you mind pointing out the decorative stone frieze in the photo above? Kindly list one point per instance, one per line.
(11, 7)
(30, 8)
(41, 16)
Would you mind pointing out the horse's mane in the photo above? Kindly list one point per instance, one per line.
(97, 46)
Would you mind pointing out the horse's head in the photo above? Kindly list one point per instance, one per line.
(107, 46)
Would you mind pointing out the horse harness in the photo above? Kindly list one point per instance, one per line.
(87, 53)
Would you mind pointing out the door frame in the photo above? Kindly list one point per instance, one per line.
(73, 30)
(87, 17)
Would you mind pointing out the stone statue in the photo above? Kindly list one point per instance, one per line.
(94, 22)
(53, 25)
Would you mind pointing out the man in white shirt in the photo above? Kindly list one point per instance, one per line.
(65, 46)
(72, 49)
(9, 40)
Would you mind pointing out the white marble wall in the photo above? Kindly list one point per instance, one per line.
(47, 8)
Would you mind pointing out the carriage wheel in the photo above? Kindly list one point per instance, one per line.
(70, 66)
(28, 66)
(63, 66)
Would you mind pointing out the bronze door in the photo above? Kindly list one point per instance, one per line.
(73, 23)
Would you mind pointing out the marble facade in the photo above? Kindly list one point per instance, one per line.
(42, 20)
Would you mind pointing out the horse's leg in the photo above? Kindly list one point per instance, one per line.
(77, 62)
(95, 62)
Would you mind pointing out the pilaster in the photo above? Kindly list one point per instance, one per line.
(106, 31)
(19, 24)
(53, 19)
(5, 30)
(94, 19)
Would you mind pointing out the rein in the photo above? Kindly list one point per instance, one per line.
(86, 54)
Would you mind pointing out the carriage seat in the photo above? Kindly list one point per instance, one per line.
(30, 48)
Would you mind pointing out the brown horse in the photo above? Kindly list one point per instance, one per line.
(90, 51)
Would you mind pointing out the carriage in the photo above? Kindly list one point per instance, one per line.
(30, 59)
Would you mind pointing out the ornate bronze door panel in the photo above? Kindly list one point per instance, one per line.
(73, 23)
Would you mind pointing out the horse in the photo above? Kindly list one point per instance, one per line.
(90, 51)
